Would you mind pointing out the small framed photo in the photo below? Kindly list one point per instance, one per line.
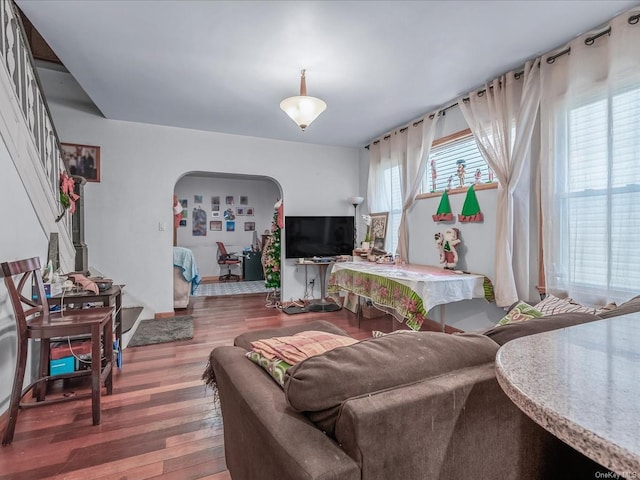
(184, 202)
(215, 214)
(83, 160)
(185, 213)
(249, 211)
(183, 222)
(239, 210)
(197, 199)
(229, 200)
(249, 226)
(244, 200)
(215, 208)
(378, 229)
(215, 225)
(231, 226)
(215, 200)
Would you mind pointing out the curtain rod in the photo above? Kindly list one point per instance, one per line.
(632, 20)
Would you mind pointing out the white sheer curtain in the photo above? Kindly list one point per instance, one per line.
(590, 166)
(396, 167)
(418, 145)
(502, 121)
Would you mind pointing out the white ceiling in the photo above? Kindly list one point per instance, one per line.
(224, 66)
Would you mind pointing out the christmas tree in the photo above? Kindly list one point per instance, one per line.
(471, 208)
(444, 209)
(272, 256)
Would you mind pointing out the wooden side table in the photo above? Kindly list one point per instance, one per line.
(111, 297)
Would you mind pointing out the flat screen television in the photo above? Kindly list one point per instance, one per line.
(307, 237)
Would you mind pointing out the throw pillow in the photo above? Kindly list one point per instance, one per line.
(521, 312)
(553, 305)
(275, 368)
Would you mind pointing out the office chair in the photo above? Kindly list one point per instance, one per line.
(228, 259)
(34, 320)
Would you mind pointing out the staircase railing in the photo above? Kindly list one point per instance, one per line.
(38, 161)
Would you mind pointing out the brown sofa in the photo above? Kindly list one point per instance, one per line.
(405, 406)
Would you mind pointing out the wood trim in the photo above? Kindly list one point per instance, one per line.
(454, 191)
(452, 137)
(164, 315)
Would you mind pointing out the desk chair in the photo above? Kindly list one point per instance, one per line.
(35, 321)
(228, 259)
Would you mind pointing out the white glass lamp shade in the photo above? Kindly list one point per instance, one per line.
(356, 200)
(303, 109)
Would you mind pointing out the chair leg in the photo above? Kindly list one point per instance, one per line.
(16, 392)
(108, 353)
(40, 389)
(96, 368)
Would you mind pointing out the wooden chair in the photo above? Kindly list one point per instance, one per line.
(35, 321)
(228, 259)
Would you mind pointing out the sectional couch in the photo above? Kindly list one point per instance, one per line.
(422, 405)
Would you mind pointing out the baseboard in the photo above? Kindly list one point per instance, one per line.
(164, 314)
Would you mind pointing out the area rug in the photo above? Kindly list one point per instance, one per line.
(162, 330)
(230, 288)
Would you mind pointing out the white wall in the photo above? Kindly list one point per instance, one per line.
(141, 164)
(262, 195)
(21, 236)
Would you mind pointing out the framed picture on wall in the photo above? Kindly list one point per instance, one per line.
(231, 226)
(215, 225)
(215, 214)
(197, 199)
(244, 200)
(239, 210)
(249, 226)
(229, 200)
(83, 160)
(249, 211)
(184, 202)
(215, 201)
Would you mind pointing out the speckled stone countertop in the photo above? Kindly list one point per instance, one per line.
(582, 384)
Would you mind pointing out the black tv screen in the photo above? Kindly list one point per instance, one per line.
(307, 237)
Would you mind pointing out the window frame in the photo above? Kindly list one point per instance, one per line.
(453, 191)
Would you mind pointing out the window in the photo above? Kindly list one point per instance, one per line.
(598, 195)
(392, 180)
(446, 158)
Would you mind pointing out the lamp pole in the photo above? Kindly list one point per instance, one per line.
(355, 201)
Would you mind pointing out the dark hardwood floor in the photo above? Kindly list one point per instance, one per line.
(160, 422)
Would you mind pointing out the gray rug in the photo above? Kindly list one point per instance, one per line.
(162, 330)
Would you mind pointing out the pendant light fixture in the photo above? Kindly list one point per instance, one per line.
(303, 109)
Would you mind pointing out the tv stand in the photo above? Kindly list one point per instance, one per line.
(322, 305)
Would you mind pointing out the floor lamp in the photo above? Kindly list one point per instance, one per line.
(355, 201)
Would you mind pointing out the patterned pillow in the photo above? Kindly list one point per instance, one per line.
(553, 305)
(275, 368)
(521, 312)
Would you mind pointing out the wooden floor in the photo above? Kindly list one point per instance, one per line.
(160, 422)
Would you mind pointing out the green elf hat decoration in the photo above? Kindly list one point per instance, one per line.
(471, 208)
(444, 210)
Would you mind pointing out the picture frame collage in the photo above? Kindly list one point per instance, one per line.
(225, 213)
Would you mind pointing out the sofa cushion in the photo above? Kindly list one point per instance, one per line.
(520, 312)
(503, 333)
(630, 306)
(244, 340)
(320, 384)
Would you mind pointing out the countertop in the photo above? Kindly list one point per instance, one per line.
(582, 384)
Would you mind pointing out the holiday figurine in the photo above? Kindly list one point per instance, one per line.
(460, 172)
(450, 182)
(434, 175)
(478, 176)
(446, 244)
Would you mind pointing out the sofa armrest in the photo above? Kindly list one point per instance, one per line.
(458, 425)
(263, 437)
